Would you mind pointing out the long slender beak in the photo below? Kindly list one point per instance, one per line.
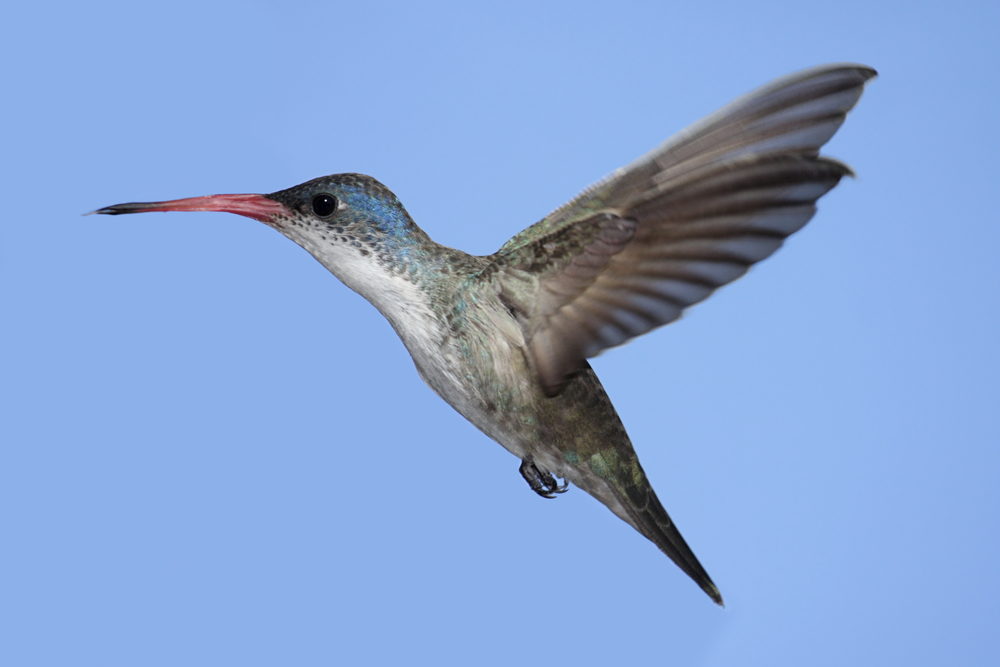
(257, 207)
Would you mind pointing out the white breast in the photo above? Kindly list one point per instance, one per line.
(406, 307)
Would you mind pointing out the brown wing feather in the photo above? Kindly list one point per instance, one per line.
(632, 252)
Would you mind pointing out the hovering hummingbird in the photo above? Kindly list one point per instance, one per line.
(505, 338)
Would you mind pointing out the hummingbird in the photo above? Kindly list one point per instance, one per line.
(505, 338)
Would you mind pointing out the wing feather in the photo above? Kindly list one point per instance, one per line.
(633, 251)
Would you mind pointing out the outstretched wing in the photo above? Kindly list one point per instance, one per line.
(636, 249)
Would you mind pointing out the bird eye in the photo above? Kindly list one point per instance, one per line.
(324, 205)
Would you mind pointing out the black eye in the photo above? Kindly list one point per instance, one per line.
(324, 205)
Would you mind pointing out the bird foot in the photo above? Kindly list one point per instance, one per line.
(542, 482)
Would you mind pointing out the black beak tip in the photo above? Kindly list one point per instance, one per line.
(117, 209)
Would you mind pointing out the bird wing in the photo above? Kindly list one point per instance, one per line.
(633, 251)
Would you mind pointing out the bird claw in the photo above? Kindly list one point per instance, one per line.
(542, 482)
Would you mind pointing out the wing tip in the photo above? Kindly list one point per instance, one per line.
(713, 592)
(844, 168)
(866, 72)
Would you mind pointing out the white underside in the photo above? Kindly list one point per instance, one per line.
(437, 355)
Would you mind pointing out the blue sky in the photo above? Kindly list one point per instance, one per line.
(211, 452)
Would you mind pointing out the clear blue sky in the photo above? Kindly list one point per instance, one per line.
(213, 453)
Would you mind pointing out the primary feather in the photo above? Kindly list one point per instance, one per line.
(661, 234)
